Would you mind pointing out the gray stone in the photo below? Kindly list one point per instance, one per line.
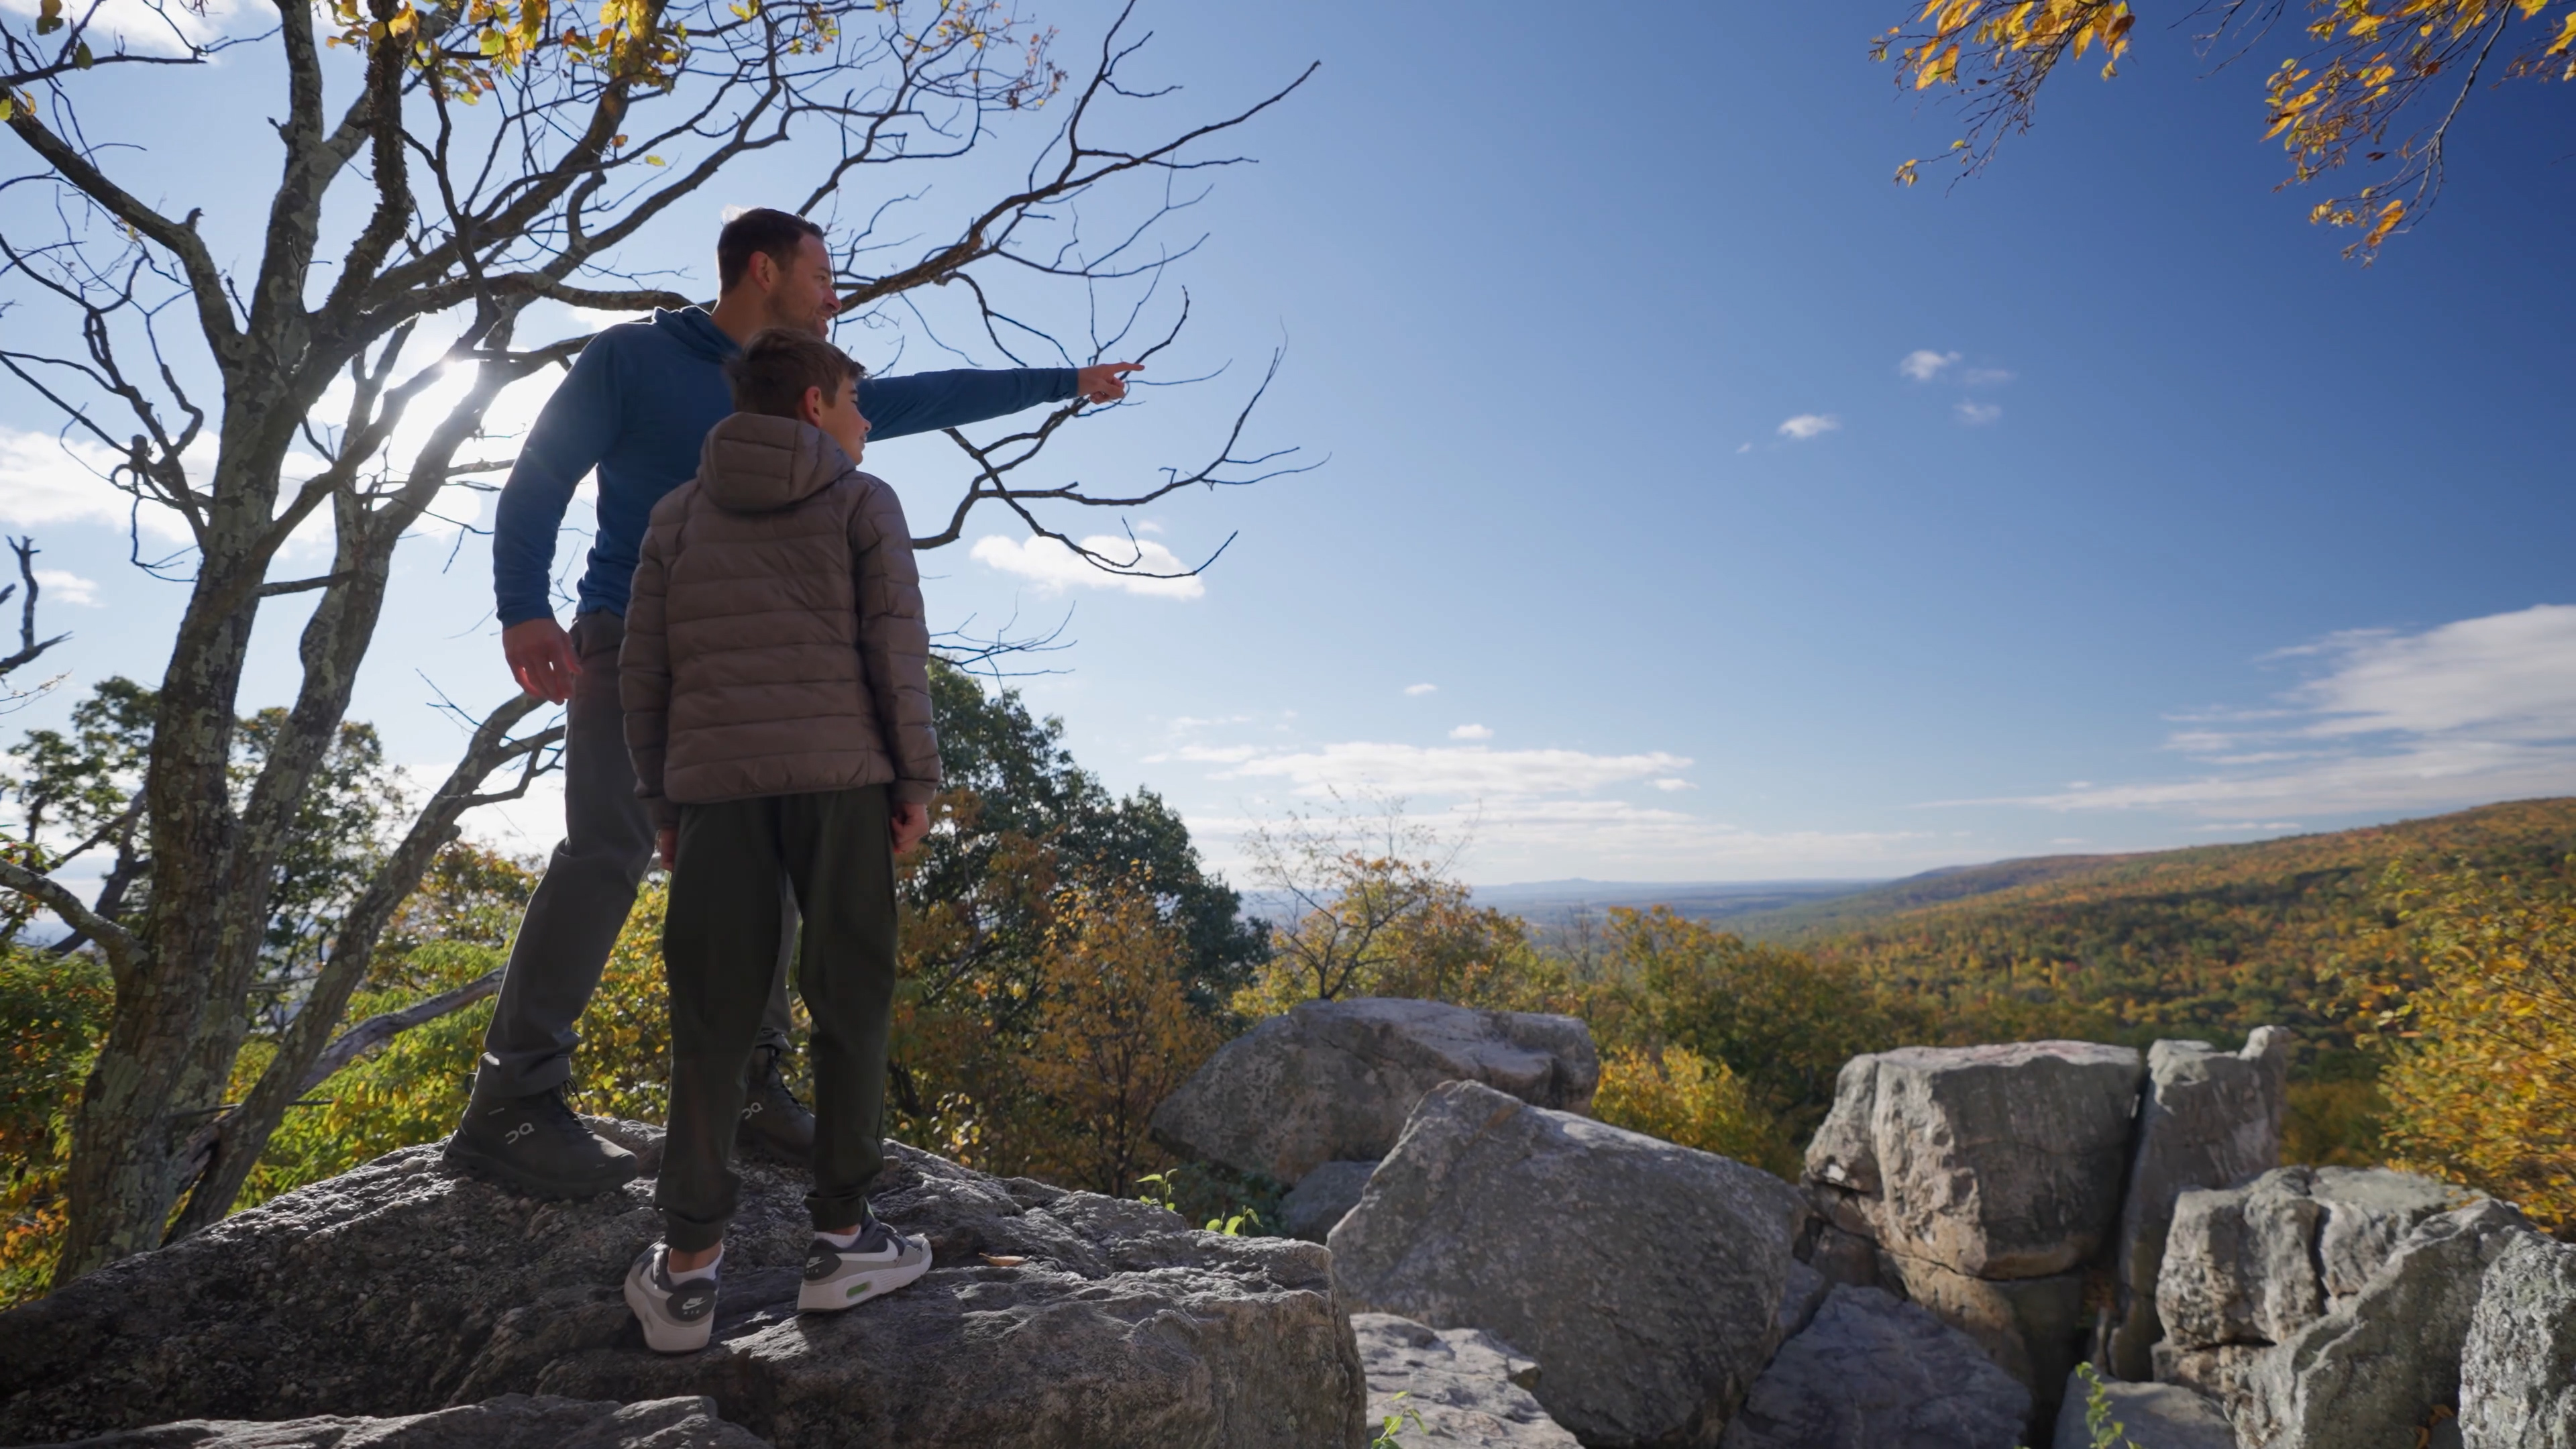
(1049, 1318)
(1844, 1257)
(2031, 1328)
(2150, 1416)
(1646, 1277)
(2375, 1368)
(1335, 1080)
(1994, 1161)
(1458, 1386)
(1800, 1297)
(2518, 1366)
(2218, 1373)
(2209, 1119)
(1321, 1197)
(512, 1421)
(2258, 1263)
(1873, 1373)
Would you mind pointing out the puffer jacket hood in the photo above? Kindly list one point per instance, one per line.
(755, 463)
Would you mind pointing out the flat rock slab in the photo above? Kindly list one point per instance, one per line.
(1334, 1081)
(1993, 1161)
(2210, 1119)
(1645, 1278)
(1452, 1386)
(2150, 1416)
(1048, 1319)
(2518, 1367)
(512, 1421)
(1871, 1372)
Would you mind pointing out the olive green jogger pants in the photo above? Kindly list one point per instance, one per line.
(720, 944)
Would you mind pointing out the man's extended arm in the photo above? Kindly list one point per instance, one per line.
(925, 402)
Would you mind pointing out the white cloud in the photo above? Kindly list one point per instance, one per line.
(1744, 447)
(52, 483)
(1469, 770)
(1420, 688)
(1471, 732)
(2477, 710)
(1984, 376)
(1056, 568)
(1923, 364)
(62, 586)
(149, 29)
(1809, 425)
(1976, 414)
(1674, 782)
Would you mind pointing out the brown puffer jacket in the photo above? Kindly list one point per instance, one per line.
(775, 642)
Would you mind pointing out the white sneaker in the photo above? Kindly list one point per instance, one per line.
(881, 1261)
(677, 1317)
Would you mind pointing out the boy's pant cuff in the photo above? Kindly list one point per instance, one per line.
(838, 1214)
(686, 1236)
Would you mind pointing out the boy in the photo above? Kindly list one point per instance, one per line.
(777, 696)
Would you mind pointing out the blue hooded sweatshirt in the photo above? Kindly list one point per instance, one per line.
(639, 401)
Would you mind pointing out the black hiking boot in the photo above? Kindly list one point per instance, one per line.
(536, 1145)
(772, 1119)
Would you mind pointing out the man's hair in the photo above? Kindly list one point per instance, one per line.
(761, 231)
(779, 363)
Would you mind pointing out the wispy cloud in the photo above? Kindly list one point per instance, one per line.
(1984, 376)
(1420, 688)
(1809, 425)
(1465, 770)
(1923, 364)
(2478, 710)
(66, 482)
(1056, 568)
(62, 586)
(1977, 414)
(1471, 732)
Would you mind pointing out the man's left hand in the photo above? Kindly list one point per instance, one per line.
(911, 822)
(1104, 382)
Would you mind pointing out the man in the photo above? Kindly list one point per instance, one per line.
(637, 405)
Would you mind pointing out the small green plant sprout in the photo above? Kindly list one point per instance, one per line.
(1158, 1192)
(1394, 1425)
(2107, 1432)
(1233, 1226)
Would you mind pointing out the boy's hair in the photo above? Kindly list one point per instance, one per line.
(779, 363)
(761, 231)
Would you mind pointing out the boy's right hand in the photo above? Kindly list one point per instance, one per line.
(911, 822)
(541, 658)
(666, 844)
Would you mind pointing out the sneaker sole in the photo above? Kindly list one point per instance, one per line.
(859, 1287)
(493, 1169)
(661, 1335)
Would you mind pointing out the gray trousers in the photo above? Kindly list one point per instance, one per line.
(589, 885)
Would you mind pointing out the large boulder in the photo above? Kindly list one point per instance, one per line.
(2377, 1367)
(2032, 1328)
(2150, 1416)
(1644, 1277)
(1049, 1318)
(1456, 1386)
(1335, 1080)
(1993, 1161)
(1871, 1372)
(2518, 1367)
(2248, 1268)
(2210, 1119)
(512, 1421)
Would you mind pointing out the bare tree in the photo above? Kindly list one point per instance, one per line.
(445, 171)
(30, 648)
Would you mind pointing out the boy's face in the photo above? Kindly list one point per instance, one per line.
(839, 417)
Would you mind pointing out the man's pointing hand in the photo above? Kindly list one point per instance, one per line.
(1104, 382)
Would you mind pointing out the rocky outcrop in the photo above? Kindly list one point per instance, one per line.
(1994, 1161)
(1050, 1318)
(1646, 1278)
(2150, 1416)
(1461, 1386)
(2518, 1367)
(1983, 1180)
(2376, 1367)
(1335, 1080)
(512, 1421)
(2248, 1268)
(1871, 1372)
(2209, 1119)
(1321, 1197)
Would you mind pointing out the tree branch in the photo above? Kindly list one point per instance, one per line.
(383, 1027)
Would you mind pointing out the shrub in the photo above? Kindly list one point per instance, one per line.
(1683, 1097)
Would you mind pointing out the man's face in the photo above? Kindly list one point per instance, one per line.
(840, 417)
(800, 292)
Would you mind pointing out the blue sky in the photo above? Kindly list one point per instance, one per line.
(2124, 514)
